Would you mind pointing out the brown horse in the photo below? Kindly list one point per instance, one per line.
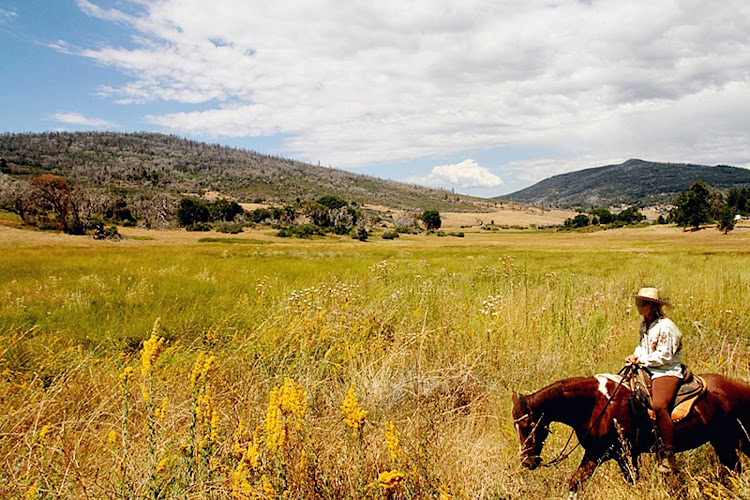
(611, 428)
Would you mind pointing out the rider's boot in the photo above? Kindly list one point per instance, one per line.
(667, 463)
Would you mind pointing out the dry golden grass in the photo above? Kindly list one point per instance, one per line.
(264, 343)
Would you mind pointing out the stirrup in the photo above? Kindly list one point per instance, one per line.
(667, 462)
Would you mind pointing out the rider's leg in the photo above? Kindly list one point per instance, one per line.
(663, 392)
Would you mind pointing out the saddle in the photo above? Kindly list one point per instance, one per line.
(689, 391)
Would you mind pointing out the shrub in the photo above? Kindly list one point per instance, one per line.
(361, 234)
(302, 231)
(199, 226)
(389, 235)
(260, 214)
(230, 228)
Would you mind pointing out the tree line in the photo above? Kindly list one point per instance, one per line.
(700, 205)
(50, 201)
(692, 208)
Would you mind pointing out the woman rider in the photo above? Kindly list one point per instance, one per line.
(660, 350)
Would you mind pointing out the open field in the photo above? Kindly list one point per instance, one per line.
(263, 340)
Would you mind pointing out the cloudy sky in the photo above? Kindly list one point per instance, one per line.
(485, 97)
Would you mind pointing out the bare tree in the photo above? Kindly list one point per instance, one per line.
(54, 193)
(18, 196)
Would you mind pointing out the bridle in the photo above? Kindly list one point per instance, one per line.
(625, 371)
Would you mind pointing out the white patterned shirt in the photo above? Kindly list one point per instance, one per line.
(660, 349)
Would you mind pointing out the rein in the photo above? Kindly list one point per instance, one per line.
(563, 454)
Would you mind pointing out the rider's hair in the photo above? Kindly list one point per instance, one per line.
(657, 310)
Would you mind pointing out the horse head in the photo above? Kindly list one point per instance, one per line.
(532, 432)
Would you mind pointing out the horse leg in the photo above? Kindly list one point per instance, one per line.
(585, 470)
(726, 450)
(628, 464)
(627, 472)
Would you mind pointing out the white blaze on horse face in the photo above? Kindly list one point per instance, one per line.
(520, 437)
(603, 385)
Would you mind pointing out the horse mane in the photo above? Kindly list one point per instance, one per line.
(559, 394)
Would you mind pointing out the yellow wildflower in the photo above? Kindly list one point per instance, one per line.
(162, 465)
(286, 403)
(251, 454)
(241, 489)
(111, 437)
(354, 416)
(268, 488)
(197, 369)
(392, 441)
(32, 491)
(208, 365)
(126, 375)
(151, 350)
(43, 433)
(162, 412)
(390, 480)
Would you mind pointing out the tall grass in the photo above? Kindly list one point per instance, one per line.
(425, 340)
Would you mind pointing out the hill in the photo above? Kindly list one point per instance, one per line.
(634, 182)
(158, 162)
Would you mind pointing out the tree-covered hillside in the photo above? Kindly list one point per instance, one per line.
(150, 161)
(635, 182)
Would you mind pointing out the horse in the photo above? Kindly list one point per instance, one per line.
(609, 427)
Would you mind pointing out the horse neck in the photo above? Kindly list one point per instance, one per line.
(569, 401)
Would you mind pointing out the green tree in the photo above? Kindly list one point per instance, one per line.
(726, 219)
(691, 207)
(431, 219)
(604, 215)
(224, 210)
(630, 215)
(580, 220)
(739, 199)
(192, 211)
(332, 202)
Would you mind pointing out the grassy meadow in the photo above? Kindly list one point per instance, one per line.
(161, 366)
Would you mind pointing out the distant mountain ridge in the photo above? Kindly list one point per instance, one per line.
(634, 182)
(157, 162)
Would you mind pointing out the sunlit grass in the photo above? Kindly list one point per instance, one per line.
(427, 337)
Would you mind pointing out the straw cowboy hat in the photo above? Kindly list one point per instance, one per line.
(650, 294)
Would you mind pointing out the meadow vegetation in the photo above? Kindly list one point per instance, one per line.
(334, 368)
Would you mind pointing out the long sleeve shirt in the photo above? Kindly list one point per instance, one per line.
(660, 348)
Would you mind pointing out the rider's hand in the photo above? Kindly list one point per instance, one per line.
(631, 360)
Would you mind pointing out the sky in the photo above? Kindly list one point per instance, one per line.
(482, 97)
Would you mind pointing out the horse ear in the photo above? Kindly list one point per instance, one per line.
(522, 403)
(519, 401)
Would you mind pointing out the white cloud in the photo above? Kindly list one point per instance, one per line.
(467, 174)
(79, 119)
(7, 15)
(357, 83)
